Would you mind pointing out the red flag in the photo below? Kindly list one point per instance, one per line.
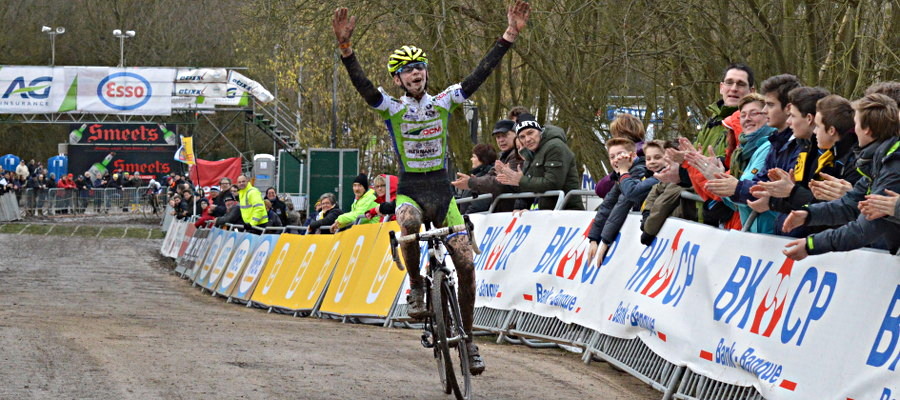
(207, 173)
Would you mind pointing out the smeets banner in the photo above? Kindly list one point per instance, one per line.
(151, 160)
(136, 134)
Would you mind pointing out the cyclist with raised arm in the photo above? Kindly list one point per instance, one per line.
(417, 124)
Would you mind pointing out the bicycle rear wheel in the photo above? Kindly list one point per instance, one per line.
(439, 319)
(455, 337)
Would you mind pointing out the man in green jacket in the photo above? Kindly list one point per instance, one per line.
(737, 82)
(365, 201)
(253, 210)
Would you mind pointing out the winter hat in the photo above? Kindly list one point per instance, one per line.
(503, 126)
(527, 121)
(363, 180)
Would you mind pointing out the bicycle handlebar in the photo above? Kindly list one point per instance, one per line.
(434, 233)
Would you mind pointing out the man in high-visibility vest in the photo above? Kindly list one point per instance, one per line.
(253, 211)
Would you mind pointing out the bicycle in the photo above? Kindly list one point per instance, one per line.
(443, 329)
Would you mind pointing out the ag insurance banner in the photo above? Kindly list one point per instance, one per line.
(132, 91)
(726, 304)
(35, 90)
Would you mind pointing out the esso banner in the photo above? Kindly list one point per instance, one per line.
(726, 304)
(35, 90)
(134, 91)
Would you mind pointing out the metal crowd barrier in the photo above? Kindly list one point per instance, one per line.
(634, 357)
(629, 355)
(470, 199)
(549, 330)
(90, 201)
(580, 192)
(528, 195)
(492, 321)
(694, 386)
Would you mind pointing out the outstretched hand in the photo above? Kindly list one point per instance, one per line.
(517, 17)
(780, 185)
(670, 172)
(709, 166)
(510, 177)
(723, 185)
(462, 181)
(343, 25)
(829, 188)
(877, 206)
(796, 250)
(794, 220)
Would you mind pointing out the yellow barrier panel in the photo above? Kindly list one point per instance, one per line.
(295, 277)
(365, 284)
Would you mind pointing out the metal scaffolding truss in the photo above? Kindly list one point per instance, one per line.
(180, 117)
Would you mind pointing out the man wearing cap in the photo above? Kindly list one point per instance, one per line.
(505, 135)
(365, 200)
(550, 165)
(253, 210)
(232, 214)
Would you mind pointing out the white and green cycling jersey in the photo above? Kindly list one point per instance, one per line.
(419, 128)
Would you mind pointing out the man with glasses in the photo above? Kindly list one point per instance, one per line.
(417, 123)
(219, 200)
(737, 82)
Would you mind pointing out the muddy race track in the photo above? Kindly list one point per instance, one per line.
(89, 318)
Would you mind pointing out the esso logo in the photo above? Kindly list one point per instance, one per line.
(124, 91)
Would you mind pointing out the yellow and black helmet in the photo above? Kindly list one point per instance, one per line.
(405, 55)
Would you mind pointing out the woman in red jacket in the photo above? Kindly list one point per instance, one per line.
(385, 192)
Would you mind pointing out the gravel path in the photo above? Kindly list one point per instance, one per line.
(86, 318)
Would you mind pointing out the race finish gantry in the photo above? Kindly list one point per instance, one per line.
(174, 99)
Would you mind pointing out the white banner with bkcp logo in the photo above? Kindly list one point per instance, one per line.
(726, 304)
(133, 91)
(35, 90)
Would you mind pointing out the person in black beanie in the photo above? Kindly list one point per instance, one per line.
(363, 180)
(364, 201)
(550, 165)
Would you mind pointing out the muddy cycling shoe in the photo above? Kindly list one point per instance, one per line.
(416, 301)
(476, 363)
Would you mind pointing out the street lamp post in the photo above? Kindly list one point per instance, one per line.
(122, 36)
(59, 30)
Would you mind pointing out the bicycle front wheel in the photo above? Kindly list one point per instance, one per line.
(454, 336)
(439, 324)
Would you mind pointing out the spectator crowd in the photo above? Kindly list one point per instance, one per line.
(784, 159)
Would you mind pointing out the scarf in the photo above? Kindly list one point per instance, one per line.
(749, 143)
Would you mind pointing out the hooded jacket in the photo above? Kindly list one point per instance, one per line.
(390, 194)
(552, 167)
(838, 161)
(359, 207)
(615, 207)
(854, 230)
(253, 210)
(714, 133)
